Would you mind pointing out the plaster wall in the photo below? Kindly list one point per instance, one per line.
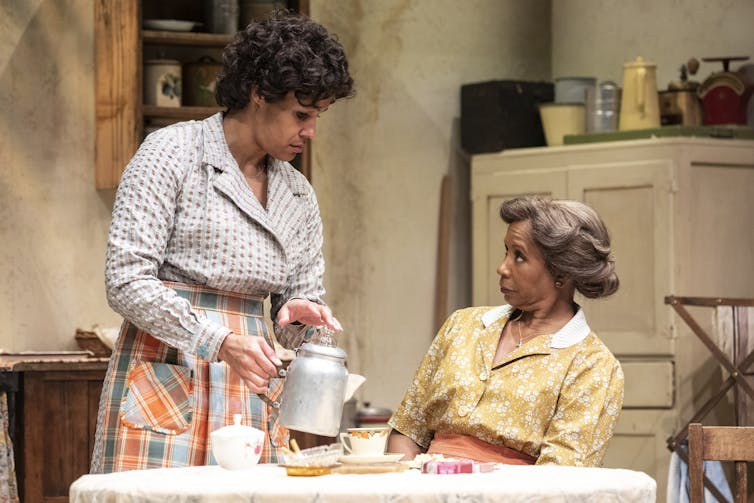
(595, 37)
(53, 223)
(380, 157)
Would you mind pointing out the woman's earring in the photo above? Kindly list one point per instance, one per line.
(558, 284)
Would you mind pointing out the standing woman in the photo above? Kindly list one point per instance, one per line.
(209, 219)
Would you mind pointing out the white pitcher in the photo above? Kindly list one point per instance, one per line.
(640, 104)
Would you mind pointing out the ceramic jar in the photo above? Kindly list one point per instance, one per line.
(237, 447)
(199, 81)
(560, 119)
(162, 82)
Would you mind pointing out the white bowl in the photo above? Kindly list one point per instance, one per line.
(237, 447)
(560, 119)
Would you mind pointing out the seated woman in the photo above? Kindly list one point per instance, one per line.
(527, 382)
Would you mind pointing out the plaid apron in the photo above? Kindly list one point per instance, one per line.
(159, 405)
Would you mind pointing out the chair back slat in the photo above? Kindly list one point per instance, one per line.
(728, 443)
(719, 443)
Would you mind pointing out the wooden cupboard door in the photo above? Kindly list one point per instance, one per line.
(718, 219)
(639, 443)
(59, 417)
(635, 199)
(489, 191)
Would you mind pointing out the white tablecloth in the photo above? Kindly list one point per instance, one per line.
(269, 483)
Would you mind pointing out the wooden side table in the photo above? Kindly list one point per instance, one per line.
(53, 402)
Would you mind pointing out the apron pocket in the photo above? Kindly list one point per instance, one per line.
(158, 398)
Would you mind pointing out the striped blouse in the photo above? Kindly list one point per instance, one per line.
(184, 212)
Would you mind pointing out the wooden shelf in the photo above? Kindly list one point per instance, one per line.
(184, 38)
(120, 113)
(179, 113)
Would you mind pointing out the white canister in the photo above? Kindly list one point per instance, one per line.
(573, 89)
(162, 82)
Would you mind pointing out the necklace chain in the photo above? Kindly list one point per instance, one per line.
(518, 325)
(517, 321)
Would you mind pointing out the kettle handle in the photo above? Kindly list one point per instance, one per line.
(641, 77)
(275, 404)
(269, 401)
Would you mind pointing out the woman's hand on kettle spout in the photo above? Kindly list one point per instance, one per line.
(308, 313)
(251, 358)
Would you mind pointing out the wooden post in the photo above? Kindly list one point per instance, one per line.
(117, 70)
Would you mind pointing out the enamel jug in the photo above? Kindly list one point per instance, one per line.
(315, 388)
(640, 103)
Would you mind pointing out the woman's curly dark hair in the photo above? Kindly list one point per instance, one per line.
(285, 52)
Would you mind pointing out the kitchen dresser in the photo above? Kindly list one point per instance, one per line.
(681, 215)
(120, 46)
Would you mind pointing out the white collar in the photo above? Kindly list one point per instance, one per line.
(572, 333)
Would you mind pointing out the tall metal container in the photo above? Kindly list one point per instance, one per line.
(314, 391)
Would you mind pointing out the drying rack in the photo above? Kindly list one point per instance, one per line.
(738, 369)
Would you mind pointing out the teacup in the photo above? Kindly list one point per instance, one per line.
(365, 441)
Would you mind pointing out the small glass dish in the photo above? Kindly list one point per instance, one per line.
(320, 456)
(306, 471)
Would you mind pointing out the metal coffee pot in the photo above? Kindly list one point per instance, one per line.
(316, 386)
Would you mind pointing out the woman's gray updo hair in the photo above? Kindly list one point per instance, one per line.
(573, 240)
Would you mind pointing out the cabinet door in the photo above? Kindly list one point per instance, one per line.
(639, 444)
(635, 201)
(488, 231)
(59, 418)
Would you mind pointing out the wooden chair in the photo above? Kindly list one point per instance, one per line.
(721, 443)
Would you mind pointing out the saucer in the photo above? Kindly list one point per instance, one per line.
(363, 459)
(169, 24)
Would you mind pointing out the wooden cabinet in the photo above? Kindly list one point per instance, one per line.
(53, 415)
(680, 212)
(120, 45)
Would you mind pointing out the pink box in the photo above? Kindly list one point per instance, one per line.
(448, 467)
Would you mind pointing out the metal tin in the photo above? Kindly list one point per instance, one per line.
(221, 16)
(603, 107)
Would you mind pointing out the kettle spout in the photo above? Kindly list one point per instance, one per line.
(353, 383)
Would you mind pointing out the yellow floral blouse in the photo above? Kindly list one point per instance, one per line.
(556, 398)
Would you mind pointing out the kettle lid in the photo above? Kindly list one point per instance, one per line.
(318, 349)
